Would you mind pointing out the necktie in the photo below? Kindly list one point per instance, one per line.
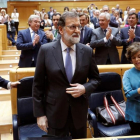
(55, 35)
(105, 31)
(81, 36)
(68, 65)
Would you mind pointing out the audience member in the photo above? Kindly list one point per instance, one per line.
(54, 34)
(10, 26)
(3, 17)
(95, 20)
(119, 10)
(79, 10)
(66, 9)
(85, 11)
(86, 32)
(73, 10)
(112, 10)
(42, 13)
(118, 19)
(127, 10)
(29, 42)
(113, 22)
(15, 16)
(129, 34)
(50, 13)
(105, 39)
(131, 86)
(66, 89)
(91, 9)
(48, 22)
(88, 23)
(7, 84)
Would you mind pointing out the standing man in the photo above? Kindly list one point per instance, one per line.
(29, 42)
(7, 84)
(65, 65)
(54, 34)
(129, 34)
(104, 40)
(86, 32)
(119, 10)
(50, 13)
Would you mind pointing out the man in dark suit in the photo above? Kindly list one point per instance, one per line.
(7, 84)
(95, 20)
(86, 32)
(29, 42)
(50, 13)
(54, 34)
(104, 40)
(10, 26)
(60, 88)
(129, 34)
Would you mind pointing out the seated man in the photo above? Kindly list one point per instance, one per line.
(29, 42)
(54, 34)
(10, 25)
(104, 40)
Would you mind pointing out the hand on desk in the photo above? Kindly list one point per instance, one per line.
(42, 123)
(76, 90)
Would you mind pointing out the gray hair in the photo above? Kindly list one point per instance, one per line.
(132, 10)
(107, 15)
(32, 17)
(105, 6)
(65, 15)
(97, 11)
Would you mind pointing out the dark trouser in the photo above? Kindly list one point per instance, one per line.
(16, 26)
(11, 36)
(69, 130)
(135, 128)
(33, 64)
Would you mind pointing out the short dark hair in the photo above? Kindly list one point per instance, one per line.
(65, 15)
(132, 50)
(56, 15)
(83, 14)
(66, 8)
(130, 14)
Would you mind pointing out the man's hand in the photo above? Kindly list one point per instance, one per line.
(108, 33)
(76, 90)
(42, 123)
(37, 37)
(14, 84)
(131, 34)
(49, 35)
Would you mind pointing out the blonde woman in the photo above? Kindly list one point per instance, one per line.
(4, 16)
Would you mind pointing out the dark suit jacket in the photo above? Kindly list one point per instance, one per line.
(95, 22)
(124, 36)
(3, 82)
(102, 49)
(87, 35)
(28, 51)
(12, 25)
(57, 101)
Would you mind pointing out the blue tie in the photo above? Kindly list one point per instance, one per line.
(68, 65)
(81, 36)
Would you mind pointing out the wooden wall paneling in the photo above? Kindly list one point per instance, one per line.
(4, 36)
(0, 41)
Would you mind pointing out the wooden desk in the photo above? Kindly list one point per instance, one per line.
(4, 36)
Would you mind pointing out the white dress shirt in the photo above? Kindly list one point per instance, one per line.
(72, 54)
(15, 17)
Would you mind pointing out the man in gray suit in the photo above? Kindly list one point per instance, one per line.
(104, 40)
(54, 34)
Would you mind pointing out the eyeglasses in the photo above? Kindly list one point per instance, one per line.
(73, 27)
(105, 10)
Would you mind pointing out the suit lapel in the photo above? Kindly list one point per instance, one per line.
(85, 34)
(28, 35)
(57, 53)
(79, 58)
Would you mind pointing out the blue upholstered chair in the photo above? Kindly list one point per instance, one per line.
(110, 83)
(24, 123)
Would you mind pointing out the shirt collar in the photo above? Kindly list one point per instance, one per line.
(64, 47)
(31, 31)
(134, 26)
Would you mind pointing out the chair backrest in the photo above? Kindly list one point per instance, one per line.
(110, 83)
(24, 101)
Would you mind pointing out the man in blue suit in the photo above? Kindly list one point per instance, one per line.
(29, 42)
(7, 84)
(129, 34)
(86, 32)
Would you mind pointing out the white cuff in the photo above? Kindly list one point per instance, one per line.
(105, 40)
(111, 37)
(9, 85)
